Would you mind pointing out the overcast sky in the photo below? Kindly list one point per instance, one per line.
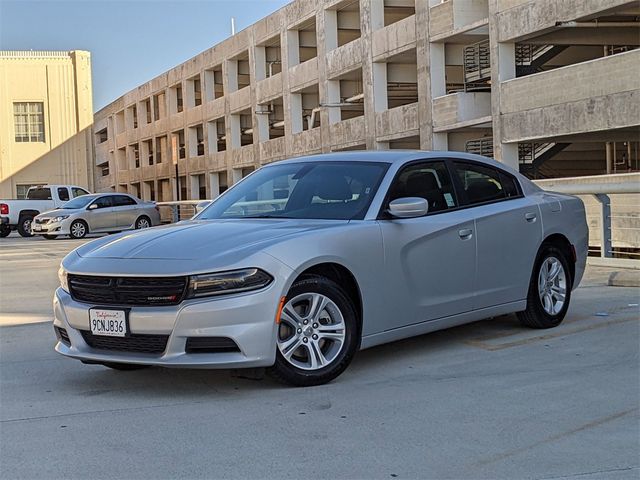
(130, 41)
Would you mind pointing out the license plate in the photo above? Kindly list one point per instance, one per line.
(37, 227)
(110, 323)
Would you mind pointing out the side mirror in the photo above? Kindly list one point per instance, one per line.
(408, 207)
(93, 206)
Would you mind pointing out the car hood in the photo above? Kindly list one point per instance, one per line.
(60, 211)
(201, 239)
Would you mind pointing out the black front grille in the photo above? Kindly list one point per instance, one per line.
(134, 291)
(210, 345)
(134, 343)
(62, 335)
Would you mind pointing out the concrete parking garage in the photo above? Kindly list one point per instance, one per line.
(486, 400)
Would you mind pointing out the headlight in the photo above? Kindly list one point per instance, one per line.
(62, 276)
(59, 218)
(227, 282)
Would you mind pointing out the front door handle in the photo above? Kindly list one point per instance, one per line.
(465, 233)
(530, 217)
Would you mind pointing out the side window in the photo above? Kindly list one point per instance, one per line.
(78, 192)
(123, 200)
(428, 180)
(483, 184)
(63, 194)
(103, 202)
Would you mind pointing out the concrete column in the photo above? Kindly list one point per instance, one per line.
(423, 67)
(214, 182)
(232, 75)
(440, 141)
(212, 137)
(380, 100)
(333, 97)
(234, 128)
(194, 186)
(438, 77)
(293, 48)
(377, 14)
(260, 55)
(262, 123)
(236, 175)
(331, 29)
(295, 107)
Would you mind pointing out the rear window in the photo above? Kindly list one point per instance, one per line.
(482, 184)
(43, 193)
(121, 200)
(63, 194)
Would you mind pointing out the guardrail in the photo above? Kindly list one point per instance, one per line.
(613, 213)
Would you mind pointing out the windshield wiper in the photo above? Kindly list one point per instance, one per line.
(265, 215)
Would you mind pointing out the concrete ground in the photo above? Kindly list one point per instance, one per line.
(486, 400)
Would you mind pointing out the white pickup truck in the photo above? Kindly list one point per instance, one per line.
(18, 214)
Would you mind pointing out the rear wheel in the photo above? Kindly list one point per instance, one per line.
(50, 237)
(24, 226)
(549, 290)
(5, 230)
(78, 229)
(318, 334)
(143, 222)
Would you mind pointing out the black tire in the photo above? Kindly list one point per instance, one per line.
(124, 367)
(5, 231)
(535, 316)
(286, 372)
(50, 237)
(140, 222)
(78, 232)
(24, 226)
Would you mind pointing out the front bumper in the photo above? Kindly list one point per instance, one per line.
(57, 228)
(248, 319)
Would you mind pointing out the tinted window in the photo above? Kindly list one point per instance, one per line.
(482, 184)
(79, 202)
(122, 200)
(63, 194)
(77, 192)
(39, 194)
(322, 190)
(429, 180)
(103, 202)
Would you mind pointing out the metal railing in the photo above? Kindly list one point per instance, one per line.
(614, 226)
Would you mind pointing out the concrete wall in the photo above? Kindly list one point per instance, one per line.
(62, 82)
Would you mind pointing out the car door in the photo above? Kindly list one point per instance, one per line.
(508, 232)
(126, 209)
(430, 260)
(101, 217)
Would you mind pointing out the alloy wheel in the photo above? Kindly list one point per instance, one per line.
(143, 223)
(552, 285)
(78, 230)
(312, 331)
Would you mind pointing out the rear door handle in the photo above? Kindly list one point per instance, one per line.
(465, 233)
(530, 217)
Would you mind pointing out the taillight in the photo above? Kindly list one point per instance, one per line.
(4, 209)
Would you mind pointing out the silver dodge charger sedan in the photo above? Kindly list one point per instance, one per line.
(306, 261)
(96, 213)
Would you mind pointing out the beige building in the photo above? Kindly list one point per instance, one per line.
(550, 87)
(46, 115)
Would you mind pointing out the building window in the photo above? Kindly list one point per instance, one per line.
(102, 136)
(105, 170)
(28, 119)
(21, 191)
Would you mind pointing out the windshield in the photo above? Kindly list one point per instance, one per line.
(78, 202)
(322, 190)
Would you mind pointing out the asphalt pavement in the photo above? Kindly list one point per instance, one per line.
(486, 400)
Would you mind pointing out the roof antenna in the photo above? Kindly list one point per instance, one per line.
(233, 26)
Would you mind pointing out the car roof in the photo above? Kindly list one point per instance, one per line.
(392, 156)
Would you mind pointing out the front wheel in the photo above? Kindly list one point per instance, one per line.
(318, 333)
(549, 290)
(78, 229)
